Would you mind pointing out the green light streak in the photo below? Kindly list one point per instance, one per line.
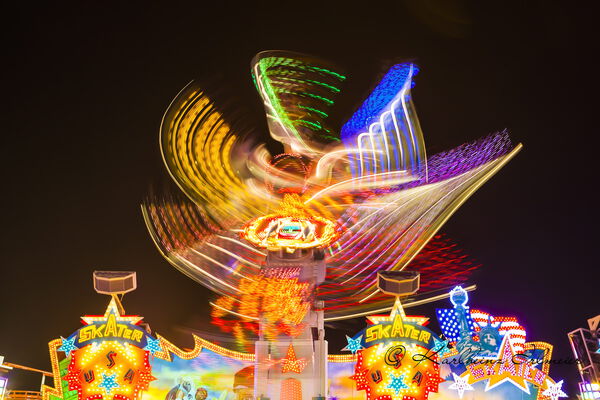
(309, 124)
(321, 113)
(314, 96)
(326, 71)
(332, 88)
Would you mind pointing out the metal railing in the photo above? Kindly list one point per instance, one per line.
(22, 395)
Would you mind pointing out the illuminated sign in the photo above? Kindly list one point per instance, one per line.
(397, 329)
(108, 358)
(110, 330)
(487, 352)
(396, 357)
(507, 366)
(589, 390)
(109, 370)
(108, 327)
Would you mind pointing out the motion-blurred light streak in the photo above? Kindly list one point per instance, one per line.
(370, 197)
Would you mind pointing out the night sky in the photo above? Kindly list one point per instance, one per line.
(87, 84)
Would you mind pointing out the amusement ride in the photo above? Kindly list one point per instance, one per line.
(341, 224)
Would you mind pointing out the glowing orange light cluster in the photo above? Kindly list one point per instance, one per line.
(311, 230)
(291, 389)
(108, 357)
(397, 366)
(379, 366)
(291, 363)
(124, 366)
(282, 302)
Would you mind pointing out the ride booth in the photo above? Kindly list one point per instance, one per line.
(115, 356)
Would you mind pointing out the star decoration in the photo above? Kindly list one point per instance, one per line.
(353, 344)
(416, 380)
(397, 383)
(360, 377)
(113, 308)
(505, 368)
(554, 390)
(72, 376)
(440, 347)
(291, 363)
(145, 378)
(68, 345)
(397, 311)
(152, 345)
(433, 382)
(360, 374)
(460, 385)
(109, 382)
(598, 351)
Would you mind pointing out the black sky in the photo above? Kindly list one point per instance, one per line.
(84, 90)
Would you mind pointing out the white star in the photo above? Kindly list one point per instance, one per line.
(554, 390)
(461, 385)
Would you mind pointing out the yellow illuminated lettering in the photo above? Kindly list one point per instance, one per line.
(372, 333)
(121, 329)
(137, 336)
(415, 334)
(398, 327)
(97, 332)
(385, 331)
(111, 326)
(84, 334)
(425, 336)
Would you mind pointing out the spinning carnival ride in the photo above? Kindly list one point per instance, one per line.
(366, 201)
(291, 241)
(325, 231)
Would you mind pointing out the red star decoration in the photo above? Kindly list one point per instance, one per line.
(145, 379)
(360, 374)
(433, 382)
(291, 363)
(72, 376)
(145, 375)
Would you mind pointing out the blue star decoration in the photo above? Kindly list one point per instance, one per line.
(598, 351)
(109, 382)
(440, 347)
(152, 345)
(68, 345)
(353, 344)
(397, 383)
